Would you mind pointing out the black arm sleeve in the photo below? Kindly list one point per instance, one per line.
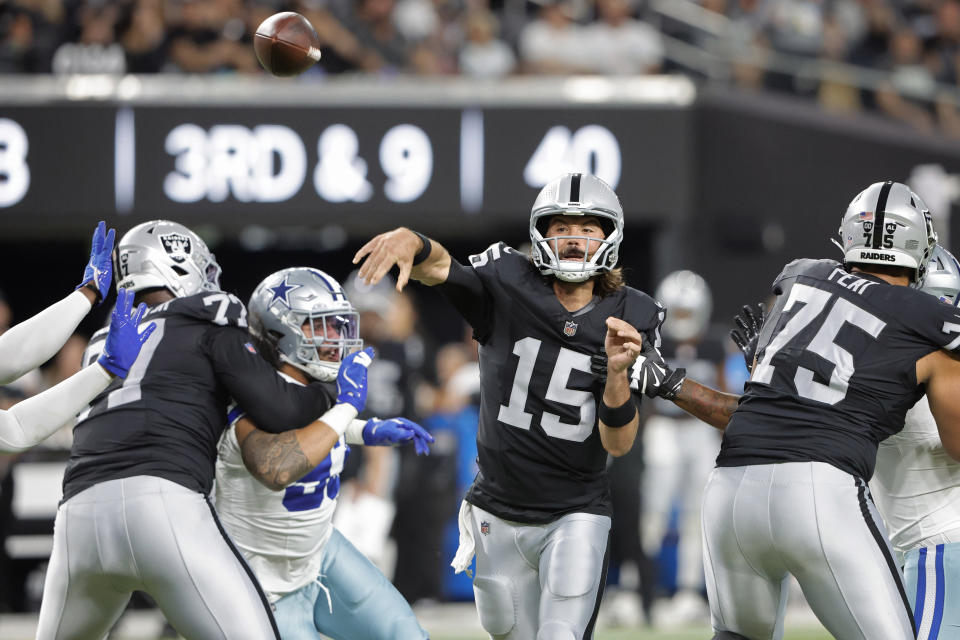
(272, 403)
(464, 289)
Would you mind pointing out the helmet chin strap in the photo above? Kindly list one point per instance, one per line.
(315, 372)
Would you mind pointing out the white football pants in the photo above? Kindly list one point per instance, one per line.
(153, 535)
(539, 581)
(809, 519)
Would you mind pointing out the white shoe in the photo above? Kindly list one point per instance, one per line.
(621, 610)
(684, 609)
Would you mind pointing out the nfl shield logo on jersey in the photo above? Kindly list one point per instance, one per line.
(569, 328)
(178, 246)
(484, 527)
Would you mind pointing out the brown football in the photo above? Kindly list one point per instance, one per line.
(286, 44)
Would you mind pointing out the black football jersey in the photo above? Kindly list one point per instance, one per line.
(539, 450)
(166, 417)
(836, 368)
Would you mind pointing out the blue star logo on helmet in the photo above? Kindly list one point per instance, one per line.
(282, 291)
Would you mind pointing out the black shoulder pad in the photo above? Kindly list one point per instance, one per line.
(804, 266)
(217, 307)
(641, 310)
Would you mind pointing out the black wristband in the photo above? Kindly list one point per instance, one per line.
(616, 417)
(424, 253)
(92, 286)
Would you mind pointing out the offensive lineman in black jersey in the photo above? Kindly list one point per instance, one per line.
(538, 512)
(135, 513)
(845, 352)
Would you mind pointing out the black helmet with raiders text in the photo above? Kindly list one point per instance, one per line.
(576, 194)
(161, 253)
(888, 224)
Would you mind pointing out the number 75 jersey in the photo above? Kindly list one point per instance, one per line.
(539, 450)
(836, 368)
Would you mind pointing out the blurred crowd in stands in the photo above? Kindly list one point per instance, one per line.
(896, 57)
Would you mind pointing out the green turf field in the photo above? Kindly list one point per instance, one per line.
(647, 634)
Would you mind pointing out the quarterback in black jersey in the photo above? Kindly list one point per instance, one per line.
(136, 513)
(846, 350)
(546, 426)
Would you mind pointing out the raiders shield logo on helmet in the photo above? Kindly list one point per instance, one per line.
(177, 246)
(569, 328)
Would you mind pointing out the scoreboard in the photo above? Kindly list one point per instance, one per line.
(451, 167)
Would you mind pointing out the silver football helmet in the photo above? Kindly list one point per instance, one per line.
(305, 315)
(576, 194)
(943, 276)
(689, 304)
(161, 253)
(889, 224)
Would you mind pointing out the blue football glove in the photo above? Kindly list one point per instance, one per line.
(123, 341)
(352, 379)
(397, 431)
(99, 270)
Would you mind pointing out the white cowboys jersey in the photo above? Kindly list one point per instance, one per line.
(916, 485)
(280, 533)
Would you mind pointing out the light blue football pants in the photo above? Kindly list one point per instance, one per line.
(932, 577)
(365, 606)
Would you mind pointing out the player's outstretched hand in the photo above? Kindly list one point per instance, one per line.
(124, 339)
(654, 376)
(99, 270)
(352, 379)
(397, 247)
(746, 333)
(397, 431)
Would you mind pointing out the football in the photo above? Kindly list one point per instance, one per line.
(286, 44)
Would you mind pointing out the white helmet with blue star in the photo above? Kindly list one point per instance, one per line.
(305, 315)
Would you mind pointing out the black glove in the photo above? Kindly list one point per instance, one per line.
(653, 375)
(746, 333)
(598, 365)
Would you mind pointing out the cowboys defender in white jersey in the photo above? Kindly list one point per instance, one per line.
(538, 513)
(35, 340)
(916, 486)
(135, 515)
(845, 352)
(276, 493)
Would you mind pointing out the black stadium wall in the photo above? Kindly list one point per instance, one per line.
(730, 185)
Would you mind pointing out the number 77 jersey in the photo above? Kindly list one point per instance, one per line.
(836, 368)
(539, 450)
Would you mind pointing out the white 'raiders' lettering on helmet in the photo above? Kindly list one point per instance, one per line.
(873, 256)
(165, 254)
(943, 276)
(177, 246)
(887, 223)
(689, 304)
(576, 194)
(288, 300)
